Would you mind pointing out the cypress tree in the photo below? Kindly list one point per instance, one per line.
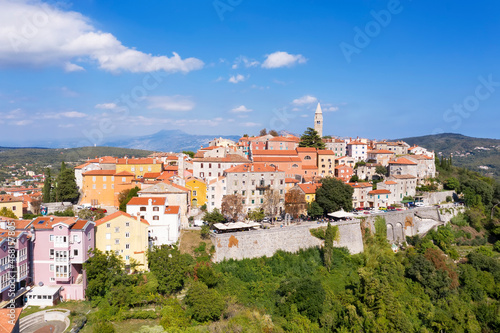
(47, 186)
(328, 248)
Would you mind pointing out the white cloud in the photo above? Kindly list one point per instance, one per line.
(283, 59)
(307, 99)
(241, 108)
(106, 106)
(237, 78)
(67, 114)
(22, 122)
(242, 60)
(304, 115)
(250, 124)
(69, 67)
(332, 108)
(73, 114)
(38, 34)
(170, 103)
(220, 78)
(14, 114)
(68, 92)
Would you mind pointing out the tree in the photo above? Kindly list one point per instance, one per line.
(92, 215)
(295, 203)
(204, 304)
(189, 153)
(214, 217)
(273, 133)
(104, 270)
(6, 212)
(451, 183)
(170, 268)
(354, 179)
(256, 214)
(36, 203)
(125, 196)
(328, 248)
(272, 202)
(334, 195)
(232, 206)
(263, 132)
(381, 170)
(311, 138)
(304, 293)
(47, 186)
(314, 210)
(66, 188)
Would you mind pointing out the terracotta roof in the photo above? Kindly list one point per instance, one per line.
(104, 159)
(380, 192)
(277, 159)
(144, 201)
(152, 175)
(403, 160)
(48, 222)
(326, 152)
(307, 167)
(252, 167)
(215, 180)
(306, 149)
(360, 185)
(171, 168)
(309, 188)
(81, 166)
(356, 143)
(22, 224)
(230, 158)
(180, 187)
(391, 182)
(380, 151)
(291, 180)
(124, 173)
(5, 319)
(343, 166)
(100, 173)
(115, 215)
(172, 210)
(290, 152)
(9, 198)
(285, 139)
(422, 157)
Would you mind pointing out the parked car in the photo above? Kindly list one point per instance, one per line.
(419, 204)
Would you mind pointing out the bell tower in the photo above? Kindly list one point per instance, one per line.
(318, 121)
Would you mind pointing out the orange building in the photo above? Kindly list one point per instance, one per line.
(343, 172)
(139, 166)
(101, 187)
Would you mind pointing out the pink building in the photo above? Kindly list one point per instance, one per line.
(60, 247)
(283, 143)
(17, 268)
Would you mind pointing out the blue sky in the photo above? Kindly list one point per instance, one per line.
(95, 70)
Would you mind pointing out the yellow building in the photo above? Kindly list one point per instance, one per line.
(101, 187)
(309, 191)
(326, 163)
(198, 190)
(125, 235)
(12, 203)
(139, 166)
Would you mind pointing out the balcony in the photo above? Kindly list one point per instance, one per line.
(262, 187)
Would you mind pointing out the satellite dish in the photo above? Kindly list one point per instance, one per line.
(40, 284)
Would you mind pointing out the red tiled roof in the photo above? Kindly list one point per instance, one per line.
(285, 139)
(381, 151)
(115, 215)
(403, 160)
(291, 180)
(326, 152)
(306, 149)
(6, 321)
(104, 159)
(137, 161)
(391, 182)
(9, 198)
(360, 185)
(356, 143)
(309, 167)
(81, 166)
(144, 201)
(172, 210)
(230, 158)
(289, 152)
(380, 192)
(125, 173)
(152, 175)
(271, 159)
(309, 188)
(48, 222)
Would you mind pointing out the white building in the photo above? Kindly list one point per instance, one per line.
(164, 220)
(357, 150)
(216, 190)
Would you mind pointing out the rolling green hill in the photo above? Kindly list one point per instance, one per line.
(42, 156)
(477, 154)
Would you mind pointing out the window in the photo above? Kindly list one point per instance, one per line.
(104, 186)
(142, 209)
(127, 224)
(75, 252)
(76, 239)
(156, 209)
(61, 256)
(51, 253)
(108, 236)
(307, 157)
(117, 241)
(108, 247)
(93, 186)
(62, 271)
(51, 267)
(127, 235)
(124, 179)
(156, 217)
(132, 169)
(127, 257)
(93, 179)
(149, 168)
(108, 225)
(104, 178)
(127, 246)
(141, 169)
(194, 193)
(117, 229)
(51, 238)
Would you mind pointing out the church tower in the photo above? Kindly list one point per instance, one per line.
(318, 121)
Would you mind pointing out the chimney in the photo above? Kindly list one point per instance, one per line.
(139, 217)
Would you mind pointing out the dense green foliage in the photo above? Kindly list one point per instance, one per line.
(65, 185)
(334, 195)
(6, 212)
(170, 268)
(311, 138)
(214, 217)
(125, 196)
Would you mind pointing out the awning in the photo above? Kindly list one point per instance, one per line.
(235, 225)
(340, 214)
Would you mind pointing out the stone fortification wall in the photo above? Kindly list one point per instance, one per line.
(265, 242)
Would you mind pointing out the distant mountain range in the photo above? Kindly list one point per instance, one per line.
(477, 154)
(168, 141)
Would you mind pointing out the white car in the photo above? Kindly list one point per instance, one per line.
(419, 204)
